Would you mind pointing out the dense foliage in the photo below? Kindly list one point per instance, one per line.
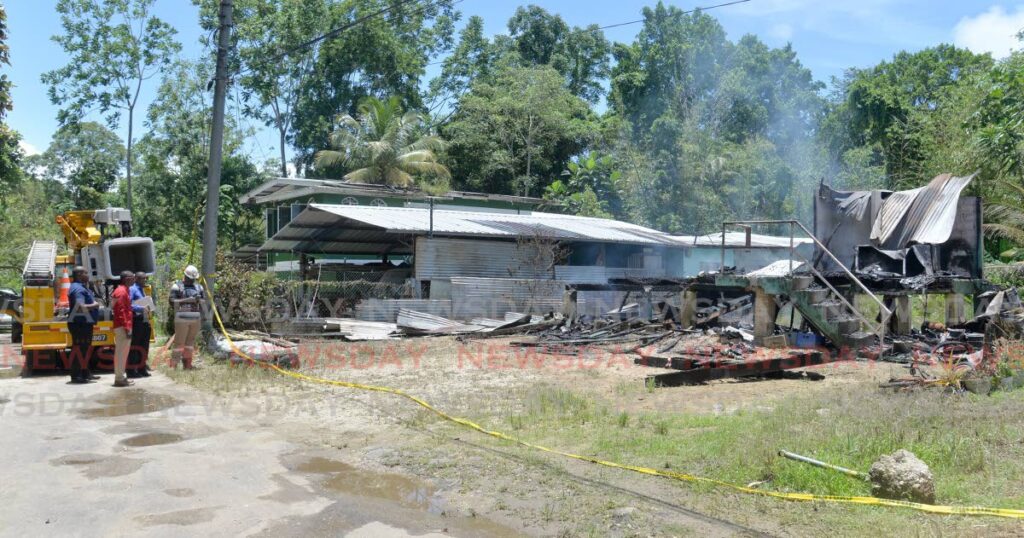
(678, 129)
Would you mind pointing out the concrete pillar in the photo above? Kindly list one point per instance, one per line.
(569, 305)
(900, 322)
(688, 307)
(765, 312)
(956, 309)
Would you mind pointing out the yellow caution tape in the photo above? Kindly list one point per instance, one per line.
(869, 501)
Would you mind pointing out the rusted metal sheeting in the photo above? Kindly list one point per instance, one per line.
(923, 215)
(443, 258)
(494, 297)
(387, 309)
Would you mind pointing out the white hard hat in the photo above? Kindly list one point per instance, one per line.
(192, 272)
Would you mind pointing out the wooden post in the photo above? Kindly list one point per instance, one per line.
(688, 307)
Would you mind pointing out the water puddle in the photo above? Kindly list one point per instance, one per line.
(152, 439)
(345, 478)
(98, 466)
(77, 459)
(130, 402)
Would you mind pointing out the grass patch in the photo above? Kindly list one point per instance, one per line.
(222, 377)
(973, 445)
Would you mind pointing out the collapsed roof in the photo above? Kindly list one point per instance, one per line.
(930, 230)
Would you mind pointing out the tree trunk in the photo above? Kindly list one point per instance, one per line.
(284, 163)
(128, 166)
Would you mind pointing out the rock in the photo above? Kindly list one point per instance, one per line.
(902, 476)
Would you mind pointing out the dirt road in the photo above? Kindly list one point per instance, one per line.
(248, 454)
(160, 459)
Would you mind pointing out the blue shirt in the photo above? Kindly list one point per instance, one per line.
(135, 293)
(78, 296)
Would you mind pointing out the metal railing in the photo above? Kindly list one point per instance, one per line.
(883, 311)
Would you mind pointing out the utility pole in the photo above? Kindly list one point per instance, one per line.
(216, 143)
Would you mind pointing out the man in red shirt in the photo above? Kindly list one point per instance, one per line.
(122, 310)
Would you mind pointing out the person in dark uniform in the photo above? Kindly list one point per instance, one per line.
(83, 313)
(141, 330)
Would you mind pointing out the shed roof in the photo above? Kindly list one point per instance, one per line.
(332, 228)
(284, 189)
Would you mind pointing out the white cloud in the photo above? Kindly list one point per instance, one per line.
(28, 148)
(993, 31)
(782, 32)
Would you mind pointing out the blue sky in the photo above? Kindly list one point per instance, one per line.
(828, 35)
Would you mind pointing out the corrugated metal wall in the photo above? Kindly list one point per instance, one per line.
(387, 309)
(445, 258)
(493, 297)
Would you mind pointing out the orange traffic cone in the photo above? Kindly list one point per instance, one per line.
(65, 285)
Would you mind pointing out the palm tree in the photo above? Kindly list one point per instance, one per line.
(382, 145)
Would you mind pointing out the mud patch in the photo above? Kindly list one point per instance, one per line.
(152, 439)
(344, 478)
(99, 466)
(130, 402)
(180, 492)
(179, 517)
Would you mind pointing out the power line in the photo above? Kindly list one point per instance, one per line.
(336, 31)
(638, 21)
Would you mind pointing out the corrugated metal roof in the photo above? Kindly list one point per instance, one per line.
(286, 188)
(330, 228)
(923, 215)
(470, 223)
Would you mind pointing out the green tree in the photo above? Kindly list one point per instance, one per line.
(471, 60)
(997, 124)
(87, 157)
(385, 145)
(592, 185)
(267, 35)
(713, 129)
(29, 216)
(383, 56)
(113, 47)
(173, 159)
(515, 129)
(10, 153)
(884, 107)
(581, 55)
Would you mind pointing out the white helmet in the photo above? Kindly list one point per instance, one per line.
(192, 272)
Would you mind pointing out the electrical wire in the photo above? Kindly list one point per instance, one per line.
(638, 21)
(337, 31)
